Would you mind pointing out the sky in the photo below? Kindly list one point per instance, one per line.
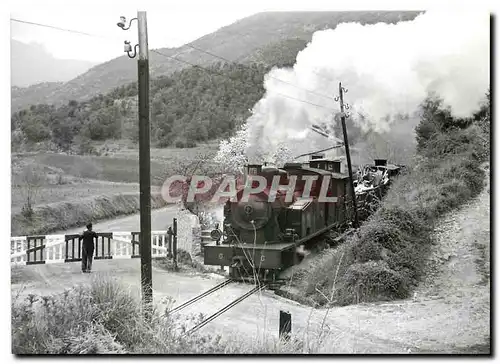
(170, 23)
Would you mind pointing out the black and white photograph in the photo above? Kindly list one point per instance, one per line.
(250, 178)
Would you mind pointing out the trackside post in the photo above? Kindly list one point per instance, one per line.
(285, 327)
(175, 244)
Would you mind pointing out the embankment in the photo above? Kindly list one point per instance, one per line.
(385, 259)
(64, 215)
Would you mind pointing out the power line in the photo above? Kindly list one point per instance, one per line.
(274, 78)
(319, 151)
(186, 62)
(187, 44)
(256, 45)
(223, 75)
(58, 28)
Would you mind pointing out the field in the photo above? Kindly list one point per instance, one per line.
(59, 181)
(74, 192)
(119, 166)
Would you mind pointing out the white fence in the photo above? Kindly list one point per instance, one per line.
(49, 249)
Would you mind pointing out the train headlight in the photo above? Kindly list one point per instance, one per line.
(216, 234)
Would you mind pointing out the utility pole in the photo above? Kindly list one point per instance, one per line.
(348, 155)
(144, 161)
(144, 156)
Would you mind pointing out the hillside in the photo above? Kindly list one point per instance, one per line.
(257, 38)
(223, 97)
(25, 72)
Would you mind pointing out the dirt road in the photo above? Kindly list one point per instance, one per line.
(161, 219)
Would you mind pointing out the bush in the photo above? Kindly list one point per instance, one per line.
(183, 143)
(384, 260)
(106, 318)
(371, 281)
(68, 323)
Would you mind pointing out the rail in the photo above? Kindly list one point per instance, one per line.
(224, 309)
(199, 297)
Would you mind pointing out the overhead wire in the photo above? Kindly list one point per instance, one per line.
(319, 151)
(61, 29)
(272, 77)
(255, 44)
(187, 62)
(202, 68)
(224, 75)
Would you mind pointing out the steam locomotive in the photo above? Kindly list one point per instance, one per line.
(264, 233)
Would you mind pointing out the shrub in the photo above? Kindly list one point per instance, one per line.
(370, 281)
(184, 143)
(106, 318)
(384, 260)
(95, 319)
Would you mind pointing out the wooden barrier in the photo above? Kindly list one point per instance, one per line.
(44, 249)
(35, 246)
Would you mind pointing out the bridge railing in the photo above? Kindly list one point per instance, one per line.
(49, 249)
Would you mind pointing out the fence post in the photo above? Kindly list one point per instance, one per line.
(28, 244)
(175, 244)
(66, 253)
(285, 325)
(169, 249)
(43, 252)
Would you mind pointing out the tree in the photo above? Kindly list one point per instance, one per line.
(483, 116)
(35, 130)
(436, 118)
(29, 186)
(231, 154)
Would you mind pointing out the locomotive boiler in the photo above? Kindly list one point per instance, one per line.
(262, 231)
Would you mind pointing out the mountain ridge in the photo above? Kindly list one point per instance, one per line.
(47, 68)
(243, 41)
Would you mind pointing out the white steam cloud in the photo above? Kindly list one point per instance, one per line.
(388, 70)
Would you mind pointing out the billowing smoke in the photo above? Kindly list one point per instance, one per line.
(388, 70)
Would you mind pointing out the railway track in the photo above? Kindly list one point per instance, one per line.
(199, 297)
(224, 309)
(214, 289)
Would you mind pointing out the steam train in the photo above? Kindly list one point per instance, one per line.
(263, 236)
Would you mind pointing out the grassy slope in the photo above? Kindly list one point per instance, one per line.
(63, 206)
(64, 215)
(384, 260)
(242, 40)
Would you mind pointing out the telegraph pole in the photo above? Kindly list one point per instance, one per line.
(144, 161)
(348, 155)
(144, 155)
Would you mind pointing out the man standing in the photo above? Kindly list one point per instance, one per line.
(87, 248)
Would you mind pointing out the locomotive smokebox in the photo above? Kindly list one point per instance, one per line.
(380, 162)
